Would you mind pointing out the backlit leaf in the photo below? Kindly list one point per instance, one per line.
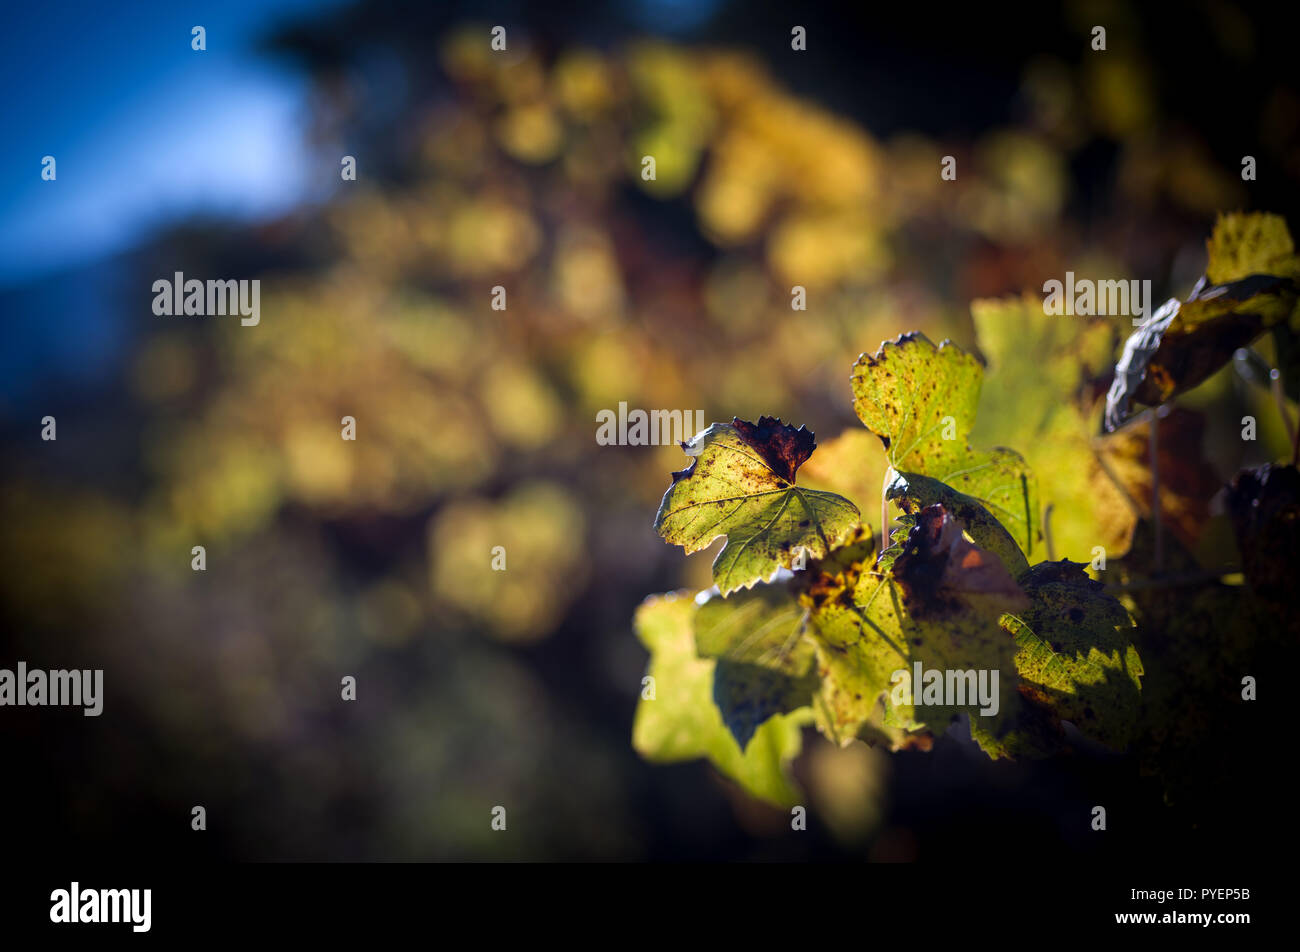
(920, 400)
(1250, 243)
(681, 722)
(765, 663)
(1041, 398)
(1075, 653)
(741, 485)
(934, 598)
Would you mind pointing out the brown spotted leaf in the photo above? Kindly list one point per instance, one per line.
(741, 486)
(935, 599)
(1075, 653)
(920, 401)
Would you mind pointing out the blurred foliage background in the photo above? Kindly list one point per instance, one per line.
(475, 427)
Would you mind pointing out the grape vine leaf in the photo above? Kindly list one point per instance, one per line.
(854, 669)
(765, 664)
(762, 626)
(1050, 375)
(1075, 653)
(681, 721)
(920, 400)
(1246, 243)
(914, 492)
(1046, 380)
(932, 598)
(749, 695)
(941, 572)
(741, 484)
(1251, 283)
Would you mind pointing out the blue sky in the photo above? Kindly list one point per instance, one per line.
(144, 129)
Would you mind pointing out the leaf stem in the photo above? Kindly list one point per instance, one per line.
(1279, 397)
(884, 507)
(1047, 532)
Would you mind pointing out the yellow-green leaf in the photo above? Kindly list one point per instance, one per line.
(1041, 398)
(1250, 243)
(681, 721)
(1075, 653)
(921, 401)
(742, 485)
(933, 599)
(910, 392)
(765, 663)
(762, 626)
